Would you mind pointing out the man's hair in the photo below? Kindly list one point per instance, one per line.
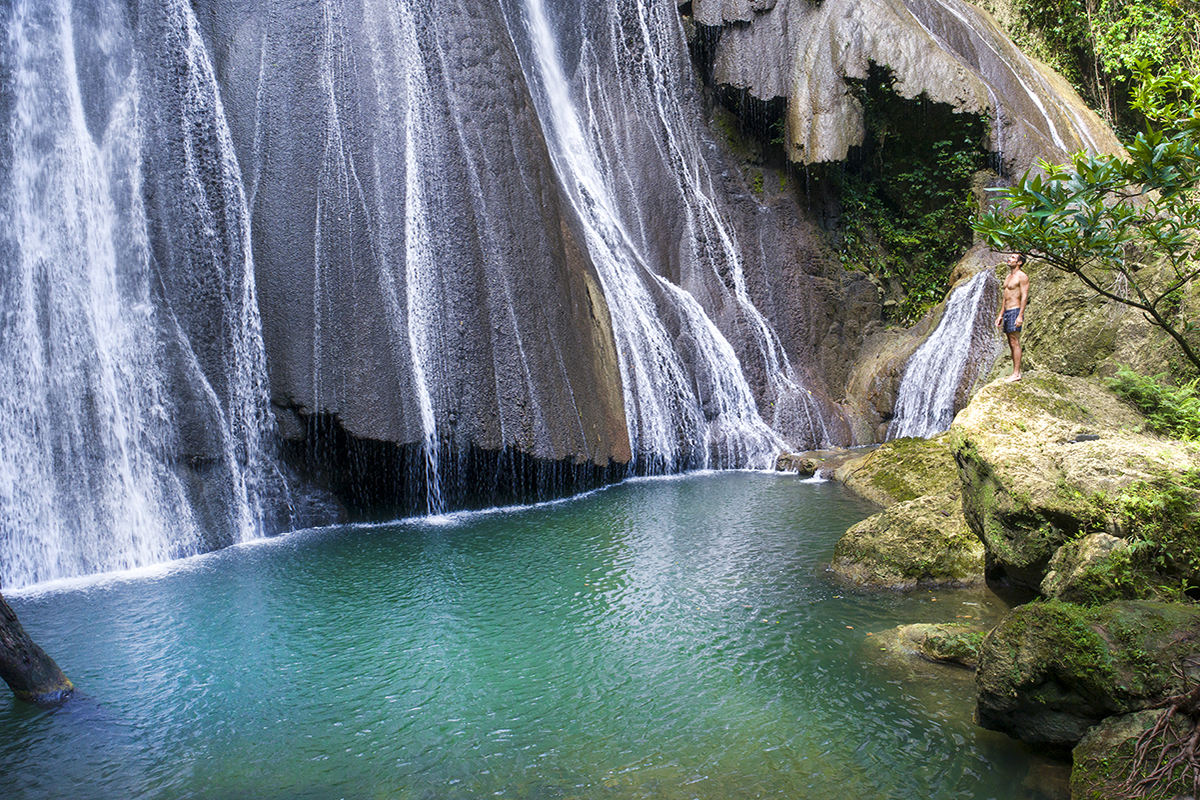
(1020, 257)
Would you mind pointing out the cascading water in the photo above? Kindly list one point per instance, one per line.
(396, 218)
(698, 412)
(101, 392)
(939, 374)
(657, 73)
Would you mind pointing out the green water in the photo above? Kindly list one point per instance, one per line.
(666, 639)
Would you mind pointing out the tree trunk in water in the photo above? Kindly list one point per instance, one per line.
(29, 672)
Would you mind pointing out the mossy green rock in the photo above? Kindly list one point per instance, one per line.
(902, 469)
(1037, 459)
(920, 542)
(1099, 568)
(1052, 670)
(951, 643)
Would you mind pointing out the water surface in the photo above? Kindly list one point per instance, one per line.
(670, 638)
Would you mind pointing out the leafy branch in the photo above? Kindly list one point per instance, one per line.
(1104, 217)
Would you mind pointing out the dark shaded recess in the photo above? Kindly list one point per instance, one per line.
(702, 45)
(377, 481)
(760, 120)
(901, 201)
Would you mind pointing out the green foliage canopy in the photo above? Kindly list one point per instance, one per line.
(1103, 218)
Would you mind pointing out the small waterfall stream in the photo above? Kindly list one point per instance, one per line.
(939, 374)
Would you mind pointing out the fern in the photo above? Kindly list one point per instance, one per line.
(1170, 411)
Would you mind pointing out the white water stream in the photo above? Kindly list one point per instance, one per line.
(681, 414)
(90, 478)
(940, 372)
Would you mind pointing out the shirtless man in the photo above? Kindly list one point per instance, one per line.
(1012, 314)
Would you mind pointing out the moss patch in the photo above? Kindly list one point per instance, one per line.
(1051, 670)
(903, 469)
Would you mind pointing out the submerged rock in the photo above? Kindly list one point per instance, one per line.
(1050, 671)
(953, 643)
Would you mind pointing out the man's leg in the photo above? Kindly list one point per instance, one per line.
(1014, 345)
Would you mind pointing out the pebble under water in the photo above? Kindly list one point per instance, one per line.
(669, 638)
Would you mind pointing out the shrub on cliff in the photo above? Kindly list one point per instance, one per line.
(1170, 411)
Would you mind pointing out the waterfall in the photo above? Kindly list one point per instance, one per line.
(396, 218)
(659, 73)
(103, 397)
(939, 375)
(692, 412)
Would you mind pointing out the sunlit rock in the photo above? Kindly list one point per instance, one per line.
(947, 50)
(1036, 474)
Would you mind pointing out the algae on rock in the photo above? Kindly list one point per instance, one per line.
(1052, 670)
(920, 542)
(921, 538)
(1040, 461)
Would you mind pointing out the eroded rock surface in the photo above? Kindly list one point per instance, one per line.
(921, 542)
(949, 51)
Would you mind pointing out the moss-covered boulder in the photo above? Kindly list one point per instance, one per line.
(1100, 568)
(920, 542)
(1052, 670)
(1041, 461)
(902, 469)
(921, 538)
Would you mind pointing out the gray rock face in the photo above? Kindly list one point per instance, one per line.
(947, 50)
(427, 266)
(409, 237)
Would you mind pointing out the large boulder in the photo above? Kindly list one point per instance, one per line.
(1041, 461)
(902, 469)
(920, 542)
(1099, 568)
(921, 538)
(1052, 670)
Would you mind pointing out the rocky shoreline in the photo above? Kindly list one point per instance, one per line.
(1052, 492)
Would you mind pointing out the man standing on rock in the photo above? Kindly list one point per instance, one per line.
(1012, 314)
